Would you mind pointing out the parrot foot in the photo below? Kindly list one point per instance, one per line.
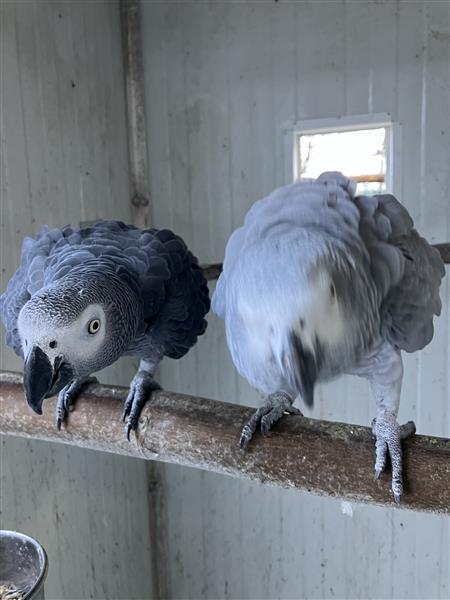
(141, 388)
(389, 435)
(275, 406)
(68, 396)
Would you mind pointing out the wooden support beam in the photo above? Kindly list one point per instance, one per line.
(325, 458)
(378, 178)
(135, 96)
(214, 270)
(444, 250)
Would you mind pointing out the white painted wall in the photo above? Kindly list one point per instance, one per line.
(64, 160)
(222, 79)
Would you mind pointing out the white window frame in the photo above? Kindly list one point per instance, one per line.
(393, 176)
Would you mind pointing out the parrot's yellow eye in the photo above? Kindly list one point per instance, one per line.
(94, 326)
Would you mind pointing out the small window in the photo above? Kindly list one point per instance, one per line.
(360, 151)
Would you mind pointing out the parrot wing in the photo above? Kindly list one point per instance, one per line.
(175, 292)
(406, 270)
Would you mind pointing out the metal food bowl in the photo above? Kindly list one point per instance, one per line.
(23, 566)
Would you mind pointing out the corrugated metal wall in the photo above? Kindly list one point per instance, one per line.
(222, 79)
(64, 160)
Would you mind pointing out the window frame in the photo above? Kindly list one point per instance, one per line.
(348, 123)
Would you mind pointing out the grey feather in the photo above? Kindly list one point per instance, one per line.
(406, 270)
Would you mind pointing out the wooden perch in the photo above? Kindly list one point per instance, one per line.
(213, 271)
(325, 458)
(379, 178)
(444, 250)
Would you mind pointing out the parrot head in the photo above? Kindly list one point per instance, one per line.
(71, 330)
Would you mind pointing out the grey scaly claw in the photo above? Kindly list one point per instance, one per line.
(141, 388)
(275, 406)
(68, 396)
(389, 435)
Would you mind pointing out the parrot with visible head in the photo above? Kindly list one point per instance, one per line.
(320, 282)
(82, 298)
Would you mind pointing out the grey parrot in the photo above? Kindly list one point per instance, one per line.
(82, 298)
(320, 282)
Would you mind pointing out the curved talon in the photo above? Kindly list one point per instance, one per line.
(66, 402)
(246, 436)
(126, 410)
(60, 415)
(397, 490)
(129, 428)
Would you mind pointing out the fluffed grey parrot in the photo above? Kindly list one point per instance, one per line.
(82, 298)
(319, 282)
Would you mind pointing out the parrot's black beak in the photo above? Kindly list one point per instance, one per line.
(37, 378)
(308, 364)
(41, 379)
